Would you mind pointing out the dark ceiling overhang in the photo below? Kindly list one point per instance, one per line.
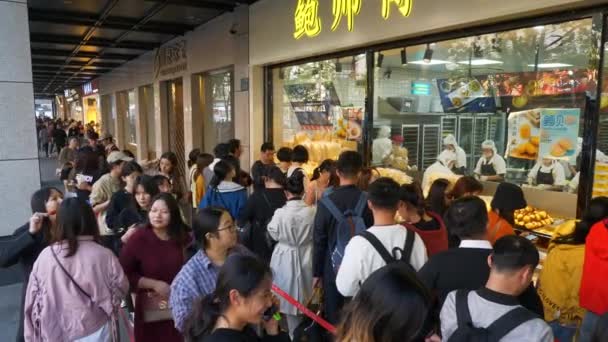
(73, 42)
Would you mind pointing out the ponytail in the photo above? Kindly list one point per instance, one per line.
(295, 184)
(220, 172)
(245, 274)
(205, 312)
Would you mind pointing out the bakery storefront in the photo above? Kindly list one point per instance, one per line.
(399, 80)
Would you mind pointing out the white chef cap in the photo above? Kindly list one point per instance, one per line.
(450, 140)
(488, 144)
(445, 157)
(384, 132)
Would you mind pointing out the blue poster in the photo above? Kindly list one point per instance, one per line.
(559, 132)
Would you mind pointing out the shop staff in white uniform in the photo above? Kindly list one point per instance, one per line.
(547, 172)
(491, 166)
(450, 144)
(443, 166)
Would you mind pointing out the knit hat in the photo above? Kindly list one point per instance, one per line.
(508, 197)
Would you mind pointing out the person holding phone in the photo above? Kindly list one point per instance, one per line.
(29, 240)
(242, 297)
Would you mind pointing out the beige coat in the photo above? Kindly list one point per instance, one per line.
(291, 263)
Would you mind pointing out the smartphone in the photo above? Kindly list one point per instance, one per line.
(270, 312)
(532, 237)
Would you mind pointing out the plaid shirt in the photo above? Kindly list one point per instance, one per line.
(197, 278)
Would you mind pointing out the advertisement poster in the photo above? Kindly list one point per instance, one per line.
(524, 134)
(312, 104)
(466, 95)
(559, 131)
(349, 123)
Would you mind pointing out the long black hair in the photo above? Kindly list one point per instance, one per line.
(392, 306)
(595, 212)
(436, 200)
(38, 205)
(411, 195)
(177, 229)
(220, 171)
(172, 157)
(244, 274)
(75, 218)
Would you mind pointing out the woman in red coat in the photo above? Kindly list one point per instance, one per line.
(151, 258)
(594, 292)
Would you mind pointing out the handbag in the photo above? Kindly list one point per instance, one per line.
(113, 321)
(155, 308)
(309, 330)
(313, 328)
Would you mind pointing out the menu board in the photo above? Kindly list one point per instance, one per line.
(524, 134)
(559, 131)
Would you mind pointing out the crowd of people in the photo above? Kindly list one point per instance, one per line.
(195, 257)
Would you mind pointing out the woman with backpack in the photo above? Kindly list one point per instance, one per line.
(416, 217)
(292, 227)
(259, 210)
(223, 192)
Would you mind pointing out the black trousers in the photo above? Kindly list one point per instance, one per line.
(333, 301)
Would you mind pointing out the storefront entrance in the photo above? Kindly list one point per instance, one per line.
(175, 117)
(213, 99)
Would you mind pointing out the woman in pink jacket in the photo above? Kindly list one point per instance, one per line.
(76, 285)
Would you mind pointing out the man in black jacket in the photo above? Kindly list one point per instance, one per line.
(345, 197)
(258, 168)
(467, 267)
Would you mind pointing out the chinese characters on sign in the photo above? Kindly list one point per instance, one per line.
(308, 23)
(306, 19)
(348, 8)
(558, 133)
(405, 7)
(170, 58)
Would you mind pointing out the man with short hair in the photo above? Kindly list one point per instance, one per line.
(466, 267)
(102, 192)
(345, 197)
(236, 149)
(257, 169)
(512, 265)
(362, 258)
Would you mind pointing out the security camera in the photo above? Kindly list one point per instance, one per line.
(233, 29)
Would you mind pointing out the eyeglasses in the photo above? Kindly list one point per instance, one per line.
(231, 228)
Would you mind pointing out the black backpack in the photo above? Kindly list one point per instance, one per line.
(467, 332)
(389, 258)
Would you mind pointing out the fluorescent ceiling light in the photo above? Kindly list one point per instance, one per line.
(551, 65)
(481, 61)
(431, 62)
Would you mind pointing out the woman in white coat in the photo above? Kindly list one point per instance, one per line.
(450, 144)
(291, 263)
